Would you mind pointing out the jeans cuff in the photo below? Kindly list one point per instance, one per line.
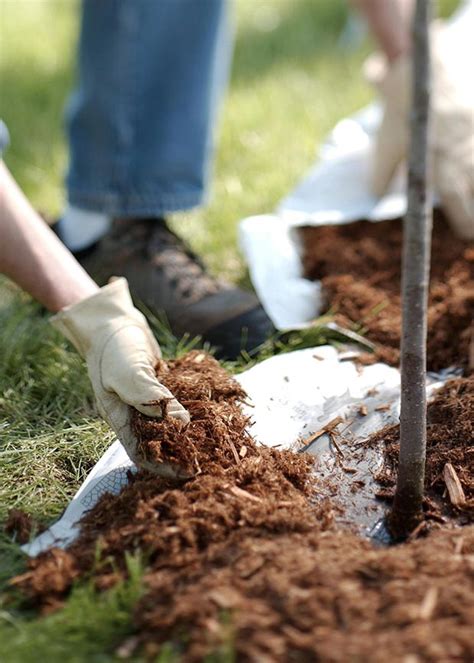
(135, 204)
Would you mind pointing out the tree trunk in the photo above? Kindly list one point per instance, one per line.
(407, 507)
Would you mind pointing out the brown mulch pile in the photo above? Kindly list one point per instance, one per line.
(450, 439)
(359, 265)
(244, 557)
(19, 525)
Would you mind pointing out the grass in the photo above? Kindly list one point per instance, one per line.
(293, 78)
(88, 625)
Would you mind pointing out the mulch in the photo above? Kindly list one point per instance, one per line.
(247, 556)
(19, 525)
(359, 265)
(450, 440)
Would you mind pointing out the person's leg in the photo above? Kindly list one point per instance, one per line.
(390, 23)
(141, 119)
(141, 132)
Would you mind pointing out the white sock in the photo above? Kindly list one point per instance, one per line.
(80, 228)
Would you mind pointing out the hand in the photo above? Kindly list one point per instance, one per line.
(452, 142)
(121, 352)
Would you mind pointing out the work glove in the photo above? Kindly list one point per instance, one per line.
(121, 353)
(452, 136)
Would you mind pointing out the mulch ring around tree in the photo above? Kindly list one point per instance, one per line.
(449, 472)
(359, 266)
(246, 557)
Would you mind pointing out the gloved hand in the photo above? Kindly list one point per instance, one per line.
(452, 137)
(120, 352)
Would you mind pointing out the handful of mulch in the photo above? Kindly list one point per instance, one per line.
(216, 436)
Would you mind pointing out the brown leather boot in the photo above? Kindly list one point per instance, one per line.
(169, 279)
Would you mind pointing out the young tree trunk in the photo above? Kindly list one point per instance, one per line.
(407, 507)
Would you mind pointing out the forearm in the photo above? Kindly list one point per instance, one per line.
(32, 255)
(389, 22)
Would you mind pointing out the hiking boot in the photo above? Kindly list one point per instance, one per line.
(170, 280)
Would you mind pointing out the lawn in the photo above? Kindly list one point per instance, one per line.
(296, 72)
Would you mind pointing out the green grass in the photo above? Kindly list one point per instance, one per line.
(292, 80)
(88, 625)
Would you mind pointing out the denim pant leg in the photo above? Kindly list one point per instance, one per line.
(141, 120)
(4, 137)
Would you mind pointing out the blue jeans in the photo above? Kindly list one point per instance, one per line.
(141, 119)
(4, 137)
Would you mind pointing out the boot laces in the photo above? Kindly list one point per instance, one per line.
(179, 265)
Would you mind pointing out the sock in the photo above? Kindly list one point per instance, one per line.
(81, 228)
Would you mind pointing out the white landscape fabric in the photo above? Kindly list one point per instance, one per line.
(291, 395)
(335, 191)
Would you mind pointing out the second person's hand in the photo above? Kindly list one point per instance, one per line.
(452, 136)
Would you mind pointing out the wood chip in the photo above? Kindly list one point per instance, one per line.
(471, 349)
(428, 604)
(334, 423)
(419, 529)
(243, 451)
(240, 492)
(224, 597)
(351, 470)
(234, 452)
(363, 411)
(247, 566)
(335, 444)
(459, 545)
(311, 438)
(455, 490)
(382, 408)
(329, 427)
(127, 648)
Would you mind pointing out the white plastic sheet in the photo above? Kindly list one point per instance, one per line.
(291, 396)
(335, 191)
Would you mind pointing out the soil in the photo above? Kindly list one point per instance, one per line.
(247, 557)
(359, 265)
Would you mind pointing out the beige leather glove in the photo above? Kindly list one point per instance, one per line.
(121, 352)
(452, 126)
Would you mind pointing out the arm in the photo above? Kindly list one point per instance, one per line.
(32, 255)
(452, 106)
(389, 22)
(102, 323)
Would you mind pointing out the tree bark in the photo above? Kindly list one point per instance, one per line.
(408, 502)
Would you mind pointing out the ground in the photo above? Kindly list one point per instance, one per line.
(296, 72)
